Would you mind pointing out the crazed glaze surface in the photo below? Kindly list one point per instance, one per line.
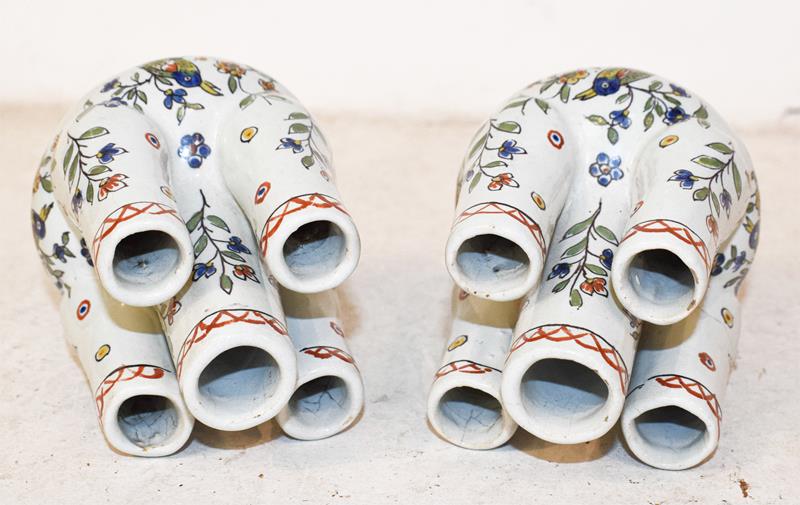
(604, 198)
(194, 186)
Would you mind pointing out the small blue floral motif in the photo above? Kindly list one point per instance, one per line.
(725, 200)
(607, 258)
(559, 270)
(606, 169)
(114, 101)
(677, 90)
(753, 241)
(177, 96)
(60, 252)
(113, 83)
(685, 177)
(739, 260)
(193, 149)
(85, 253)
(295, 145)
(38, 225)
(675, 115)
(606, 85)
(77, 201)
(201, 269)
(508, 149)
(235, 245)
(620, 118)
(107, 152)
(719, 260)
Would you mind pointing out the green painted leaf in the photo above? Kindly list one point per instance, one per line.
(474, 182)
(648, 104)
(575, 249)
(708, 162)
(98, 169)
(307, 161)
(218, 222)
(68, 156)
(47, 184)
(200, 245)
(701, 113)
(129, 95)
(648, 121)
(232, 255)
(542, 104)
(674, 101)
(516, 103)
(138, 107)
(715, 202)
(193, 221)
(737, 179)
(232, 83)
(606, 234)
(181, 113)
(298, 128)
(561, 285)
(91, 133)
(478, 145)
(247, 101)
(495, 164)
(720, 147)
(613, 135)
(598, 120)
(655, 85)
(298, 115)
(195, 106)
(596, 270)
(65, 238)
(90, 193)
(659, 109)
(73, 168)
(564, 94)
(142, 96)
(623, 97)
(575, 299)
(578, 227)
(509, 127)
(546, 85)
(226, 283)
(700, 194)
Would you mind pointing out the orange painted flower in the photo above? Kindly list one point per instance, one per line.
(233, 69)
(266, 85)
(711, 223)
(500, 180)
(111, 184)
(573, 77)
(244, 272)
(594, 285)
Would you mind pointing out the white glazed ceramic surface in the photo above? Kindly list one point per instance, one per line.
(193, 186)
(606, 197)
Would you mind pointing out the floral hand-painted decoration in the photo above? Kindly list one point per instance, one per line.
(503, 152)
(606, 169)
(90, 174)
(194, 149)
(306, 140)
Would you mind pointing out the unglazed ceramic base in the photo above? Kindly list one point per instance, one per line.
(194, 185)
(603, 198)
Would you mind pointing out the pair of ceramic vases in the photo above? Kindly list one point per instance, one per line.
(194, 199)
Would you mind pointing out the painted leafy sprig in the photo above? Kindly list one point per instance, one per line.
(236, 72)
(227, 252)
(581, 263)
(305, 139)
(489, 159)
(739, 261)
(562, 91)
(89, 176)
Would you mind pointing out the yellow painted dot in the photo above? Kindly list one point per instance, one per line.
(248, 134)
(102, 352)
(457, 342)
(538, 200)
(727, 316)
(668, 140)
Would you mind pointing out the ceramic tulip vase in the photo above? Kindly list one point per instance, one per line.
(601, 199)
(171, 205)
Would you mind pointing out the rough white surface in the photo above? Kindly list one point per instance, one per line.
(397, 178)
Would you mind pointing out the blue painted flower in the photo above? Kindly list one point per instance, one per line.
(235, 245)
(719, 260)
(739, 260)
(753, 241)
(606, 169)
(174, 96)
(560, 270)
(114, 101)
(607, 258)
(675, 115)
(113, 83)
(677, 90)
(85, 253)
(685, 177)
(201, 269)
(295, 145)
(620, 117)
(193, 149)
(508, 149)
(107, 152)
(725, 200)
(77, 201)
(38, 224)
(60, 252)
(606, 85)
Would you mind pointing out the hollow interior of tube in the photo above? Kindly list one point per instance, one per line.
(562, 393)
(314, 249)
(492, 261)
(147, 420)
(238, 382)
(660, 278)
(671, 429)
(470, 416)
(320, 403)
(145, 258)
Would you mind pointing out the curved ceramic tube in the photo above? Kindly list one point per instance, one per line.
(330, 392)
(233, 357)
(664, 260)
(673, 412)
(120, 348)
(498, 242)
(464, 405)
(284, 183)
(112, 185)
(568, 368)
